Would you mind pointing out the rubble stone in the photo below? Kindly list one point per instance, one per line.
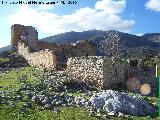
(97, 71)
(118, 102)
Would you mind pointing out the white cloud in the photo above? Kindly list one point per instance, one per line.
(153, 5)
(111, 6)
(45, 7)
(23, 6)
(101, 18)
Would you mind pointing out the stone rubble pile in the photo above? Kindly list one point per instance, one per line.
(112, 102)
(52, 93)
(118, 103)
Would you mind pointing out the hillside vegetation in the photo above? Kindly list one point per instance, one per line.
(15, 103)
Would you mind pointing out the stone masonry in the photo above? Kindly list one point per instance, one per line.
(44, 58)
(101, 72)
(78, 59)
(26, 33)
(29, 36)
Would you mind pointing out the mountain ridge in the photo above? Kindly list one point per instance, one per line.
(148, 43)
(72, 37)
(133, 45)
(76, 36)
(5, 48)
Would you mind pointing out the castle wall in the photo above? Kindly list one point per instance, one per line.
(101, 72)
(86, 69)
(114, 72)
(44, 58)
(25, 33)
(65, 51)
(29, 35)
(77, 50)
(97, 71)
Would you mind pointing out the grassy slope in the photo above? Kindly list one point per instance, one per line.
(9, 80)
(3, 60)
(12, 80)
(37, 113)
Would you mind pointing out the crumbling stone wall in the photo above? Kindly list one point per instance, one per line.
(70, 50)
(115, 72)
(26, 33)
(62, 51)
(86, 69)
(65, 51)
(101, 72)
(44, 58)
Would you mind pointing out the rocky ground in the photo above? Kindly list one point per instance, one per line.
(24, 88)
(12, 60)
(54, 88)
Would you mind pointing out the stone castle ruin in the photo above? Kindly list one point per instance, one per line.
(77, 60)
(24, 39)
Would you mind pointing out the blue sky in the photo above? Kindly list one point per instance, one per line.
(132, 16)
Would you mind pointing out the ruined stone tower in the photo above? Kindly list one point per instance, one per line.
(24, 33)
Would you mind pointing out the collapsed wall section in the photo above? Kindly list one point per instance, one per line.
(44, 58)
